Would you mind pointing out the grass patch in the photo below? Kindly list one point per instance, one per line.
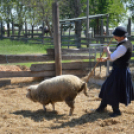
(19, 47)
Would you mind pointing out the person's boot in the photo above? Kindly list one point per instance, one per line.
(102, 107)
(116, 111)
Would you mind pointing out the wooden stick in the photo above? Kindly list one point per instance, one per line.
(91, 73)
(57, 40)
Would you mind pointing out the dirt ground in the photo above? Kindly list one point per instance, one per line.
(18, 115)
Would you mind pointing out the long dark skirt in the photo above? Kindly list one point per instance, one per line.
(118, 87)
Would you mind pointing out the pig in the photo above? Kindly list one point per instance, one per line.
(57, 89)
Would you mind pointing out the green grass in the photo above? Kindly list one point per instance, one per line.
(18, 47)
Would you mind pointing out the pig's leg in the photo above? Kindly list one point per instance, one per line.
(71, 109)
(70, 102)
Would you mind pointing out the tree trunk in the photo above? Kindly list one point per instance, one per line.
(78, 25)
(78, 33)
(8, 30)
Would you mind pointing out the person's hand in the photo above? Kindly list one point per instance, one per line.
(103, 59)
(105, 49)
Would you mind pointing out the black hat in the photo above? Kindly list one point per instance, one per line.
(120, 31)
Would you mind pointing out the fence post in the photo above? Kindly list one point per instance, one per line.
(57, 40)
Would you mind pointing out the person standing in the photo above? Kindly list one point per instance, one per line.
(118, 87)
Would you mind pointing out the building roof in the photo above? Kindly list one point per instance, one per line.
(83, 18)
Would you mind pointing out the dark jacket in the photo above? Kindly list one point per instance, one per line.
(118, 86)
(124, 60)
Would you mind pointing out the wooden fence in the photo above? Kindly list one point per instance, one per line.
(78, 67)
(75, 66)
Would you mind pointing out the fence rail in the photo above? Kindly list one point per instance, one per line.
(48, 69)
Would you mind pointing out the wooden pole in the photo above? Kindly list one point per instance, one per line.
(57, 40)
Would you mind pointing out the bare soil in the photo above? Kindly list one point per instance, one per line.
(18, 115)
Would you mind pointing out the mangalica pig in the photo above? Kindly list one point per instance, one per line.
(57, 89)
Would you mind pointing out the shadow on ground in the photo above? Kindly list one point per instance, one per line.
(38, 115)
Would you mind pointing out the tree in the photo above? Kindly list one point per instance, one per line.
(114, 8)
(6, 13)
(130, 6)
(40, 11)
